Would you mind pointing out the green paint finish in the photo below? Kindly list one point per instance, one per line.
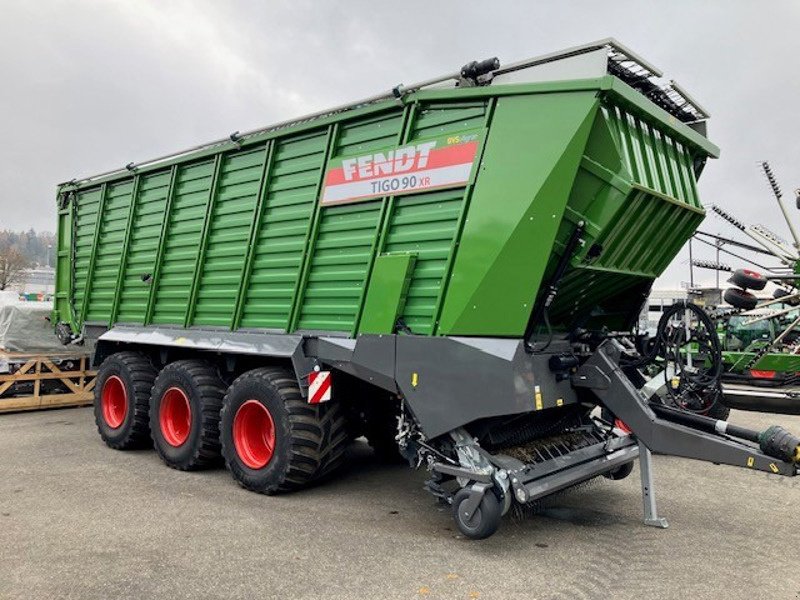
(113, 225)
(140, 261)
(280, 244)
(234, 237)
(387, 293)
(182, 242)
(229, 229)
(531, 157)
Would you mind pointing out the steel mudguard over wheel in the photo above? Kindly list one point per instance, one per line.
(121, 400)
(272, 439)
(184, 414)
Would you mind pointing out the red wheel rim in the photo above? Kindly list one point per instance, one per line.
(254, 434)
(114, 402)
(175, 416)
(754, 274)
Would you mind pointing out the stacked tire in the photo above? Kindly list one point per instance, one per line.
(269, 437)
(740, 297)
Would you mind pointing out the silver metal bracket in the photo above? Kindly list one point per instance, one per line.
(651, 517)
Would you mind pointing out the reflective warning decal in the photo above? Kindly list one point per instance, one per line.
(319, 387)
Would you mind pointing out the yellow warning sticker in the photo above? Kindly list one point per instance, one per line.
(751, 461)
(774, 467)
(560, 402)
(538, 397)
(414, 379)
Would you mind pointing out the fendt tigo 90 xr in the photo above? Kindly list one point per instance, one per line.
(453, 269)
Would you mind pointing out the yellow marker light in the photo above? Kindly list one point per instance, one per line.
(751, 461)
(560, 402)
(414, 379)
(774, 467)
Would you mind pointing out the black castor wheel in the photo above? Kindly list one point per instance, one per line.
(484, 521)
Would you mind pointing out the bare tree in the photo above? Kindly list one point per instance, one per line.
(12, 266)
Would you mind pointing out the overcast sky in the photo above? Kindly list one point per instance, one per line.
(89, 85)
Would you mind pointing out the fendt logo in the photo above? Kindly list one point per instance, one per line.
(392, 162)
(425, 165)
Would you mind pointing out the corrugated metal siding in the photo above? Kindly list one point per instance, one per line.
(228, 237)
(182, 242)
(88, 203)
(346, 238)
(109, 251)
(143, 246)
(290, 199)
(425, 224)
(655, 159)
(642, 230)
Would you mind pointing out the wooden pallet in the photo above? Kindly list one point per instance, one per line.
(38, 369)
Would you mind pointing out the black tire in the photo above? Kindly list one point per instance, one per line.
(748, 280)
(128, 376)
(486, 518)
(187, 442)
(740, 298)
(782, 293)
(308, 441)
(621, 472)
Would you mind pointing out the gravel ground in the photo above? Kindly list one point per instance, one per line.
(78, 520)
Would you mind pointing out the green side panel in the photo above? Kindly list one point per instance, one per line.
(143, 246)
(780, 362)
(346, 237)
(85, 219)
(62, 308)
(183, 242)
(655, 159)
(632, 230)
(289, 203)
(339, 266)
(531, 157)
(103, 286)
(388, 289)
(426, 224)
(237, 193)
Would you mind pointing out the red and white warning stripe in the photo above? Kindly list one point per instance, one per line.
(319, 387)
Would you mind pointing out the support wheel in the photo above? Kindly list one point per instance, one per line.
(484, 521)
(272, 439)
(621, 472)
(184, 414)
(122, 399)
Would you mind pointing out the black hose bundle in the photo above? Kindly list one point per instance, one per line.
(696, 386)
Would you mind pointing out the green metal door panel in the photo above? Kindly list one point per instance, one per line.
(103, 286)
(343, 251)
(291, 194)
(387, 293)
(227, 245)
(182, 242)
(532, 154)
(88, 203)
(143, 246)
(424, 224)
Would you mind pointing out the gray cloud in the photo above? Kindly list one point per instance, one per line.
(90, 85)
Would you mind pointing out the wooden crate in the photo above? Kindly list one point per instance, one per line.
(29, 387)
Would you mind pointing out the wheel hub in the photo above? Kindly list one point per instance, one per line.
(254, 434)
(114, 402)
(175, 416)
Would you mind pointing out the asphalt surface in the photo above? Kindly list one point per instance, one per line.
(78, 520)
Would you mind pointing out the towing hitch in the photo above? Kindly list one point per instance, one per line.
(664, 430)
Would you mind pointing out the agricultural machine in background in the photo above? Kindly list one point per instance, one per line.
(760, 338)
(453, 269)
